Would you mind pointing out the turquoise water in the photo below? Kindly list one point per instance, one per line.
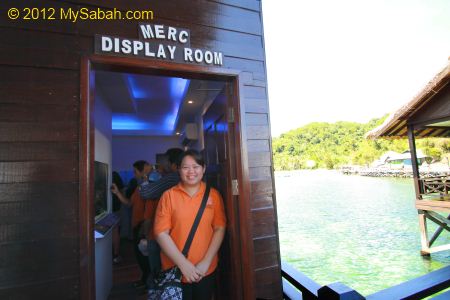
(361, 231)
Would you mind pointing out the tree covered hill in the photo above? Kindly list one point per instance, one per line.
(330, 145)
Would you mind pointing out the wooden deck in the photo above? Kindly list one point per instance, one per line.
(124, 274)
(434, 197)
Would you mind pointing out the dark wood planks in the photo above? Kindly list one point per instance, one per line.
(247, 4)
(38, 49)
(19, 112)
(39, 132)
(268, 280)
(28, 258)
(263, 210)
(68, 288)
(213, 14)
(27, 85)
(39, 100)
(37, 151)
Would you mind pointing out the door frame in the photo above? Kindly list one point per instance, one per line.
(86, 157)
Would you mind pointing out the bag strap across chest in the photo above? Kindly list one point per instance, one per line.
(198, 217)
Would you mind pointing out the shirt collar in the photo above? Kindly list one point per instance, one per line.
(202, 189)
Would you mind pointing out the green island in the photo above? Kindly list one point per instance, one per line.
(333, 145)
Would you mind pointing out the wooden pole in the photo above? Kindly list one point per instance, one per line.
(415, 166)
(437, 233)
(423, 234)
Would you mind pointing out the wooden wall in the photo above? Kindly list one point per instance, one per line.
(39, 135)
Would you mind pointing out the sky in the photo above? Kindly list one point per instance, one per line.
(350, 60)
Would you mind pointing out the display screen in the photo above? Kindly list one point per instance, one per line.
(100, 188)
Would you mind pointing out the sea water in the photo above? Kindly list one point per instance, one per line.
(361, 231)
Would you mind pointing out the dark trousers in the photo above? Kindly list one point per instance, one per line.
(141, 259)
(202, 290)
(154, 261)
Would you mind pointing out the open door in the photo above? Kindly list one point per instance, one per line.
(220, 154)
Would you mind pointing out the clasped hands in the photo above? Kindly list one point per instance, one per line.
(194, 273)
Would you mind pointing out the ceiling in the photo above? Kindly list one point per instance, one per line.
(149, 105)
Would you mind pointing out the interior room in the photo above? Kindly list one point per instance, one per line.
(139, 117)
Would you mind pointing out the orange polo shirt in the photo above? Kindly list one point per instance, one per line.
(142, 210)
(149, 214)
(176, 212)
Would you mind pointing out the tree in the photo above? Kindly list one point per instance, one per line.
(331, 145)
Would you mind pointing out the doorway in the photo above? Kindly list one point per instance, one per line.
(164, 124)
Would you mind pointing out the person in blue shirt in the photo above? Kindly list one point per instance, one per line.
(153, 190)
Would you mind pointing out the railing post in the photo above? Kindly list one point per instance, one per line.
(338, 291)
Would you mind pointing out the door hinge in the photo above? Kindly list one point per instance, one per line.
(235, 187)
(230, 115)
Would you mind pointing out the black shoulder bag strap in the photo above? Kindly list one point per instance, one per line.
(188, 243)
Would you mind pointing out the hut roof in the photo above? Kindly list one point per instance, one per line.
(395, 125)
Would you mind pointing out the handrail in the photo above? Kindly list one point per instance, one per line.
(418, 288)
(431, 186)
(308, 287)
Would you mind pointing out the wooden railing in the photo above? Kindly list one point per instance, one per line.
(297, 285)
(435, 187)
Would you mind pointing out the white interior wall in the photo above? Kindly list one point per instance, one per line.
(103, 246)
(103, 135)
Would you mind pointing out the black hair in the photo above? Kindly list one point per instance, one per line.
(139, 165)
(174, 155)
(117, 180)
(195, 155)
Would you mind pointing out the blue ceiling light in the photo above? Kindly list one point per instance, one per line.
(178, 90)
(128, 122)
(138, 91)
(221, 127)
(178, 87)
(157, 105)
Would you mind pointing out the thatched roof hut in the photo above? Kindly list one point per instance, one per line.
(428, 112)
(426, 115)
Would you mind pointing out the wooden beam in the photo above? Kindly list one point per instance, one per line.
(86, 180)
(432, 205)
(423, 234)
(300, 281)
(437, 233)
(440, 248)
(439, 217)
(415, 167)
(440, 220)
(290, 291)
